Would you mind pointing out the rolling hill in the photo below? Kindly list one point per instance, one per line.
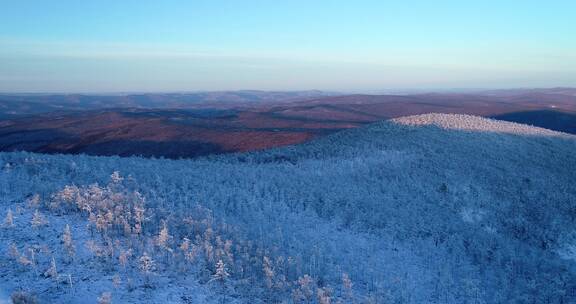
(431, 208)
(18, 105)
(188, 125)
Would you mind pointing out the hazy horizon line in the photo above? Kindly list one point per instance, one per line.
(340, 92)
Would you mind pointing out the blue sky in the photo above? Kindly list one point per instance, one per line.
(176, 45)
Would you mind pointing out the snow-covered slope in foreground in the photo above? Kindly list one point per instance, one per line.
(397, 212)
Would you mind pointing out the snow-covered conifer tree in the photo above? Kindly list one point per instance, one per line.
(221, 276)
(24, 261)
(138, 215)
(23, 297)
(323, 295)
(34, 201)
(13, 252)
(124, 257)
(101, 223)
(305, 289)
(38, 219)
(116, 281)
(185, 245)
(68, 242)
(164, 237)
(116, 178)
(347, 292)
(147, 266)
(268, 272)
(9, 219)
(52, 271)
(105, 298)
(221, 273)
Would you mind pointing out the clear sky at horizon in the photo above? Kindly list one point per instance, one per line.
(177, 45)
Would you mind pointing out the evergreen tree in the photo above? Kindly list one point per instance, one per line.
(347, 292)
(105, 298)
(221, 274)
(9, 219)
(147, 266)
(13, 252)
(38, 219)
(52, 271)
(68, 242)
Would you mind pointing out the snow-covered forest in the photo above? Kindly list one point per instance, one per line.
(416, 210)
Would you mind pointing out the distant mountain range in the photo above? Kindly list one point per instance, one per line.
(14, 105)
(198, 124)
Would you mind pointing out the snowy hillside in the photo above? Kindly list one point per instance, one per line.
(474, 123)
(423, 209)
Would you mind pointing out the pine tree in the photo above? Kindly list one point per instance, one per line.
(70, 282)
(124, 257)
(185, 251)
(116, 281)
(23, 297)
(164, 237)
(221, 276)
(34, 201)
(138, 218)
(105, 298)
(268, 272)
(228, 251)
(323, 295)
(347, 292)
(24, 261)
(221, 273)
(116, 178)
(68, 242)
(101, 223)
(13, 252)
(304, 291)
(146, 266)
(52, 272)
(185, 246)
(191, 255)
(32, 255)
(9, 219)
(38, 219)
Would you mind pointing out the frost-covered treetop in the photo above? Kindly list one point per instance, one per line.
(475, 123)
